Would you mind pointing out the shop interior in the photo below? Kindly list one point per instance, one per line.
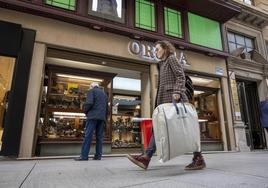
(64, 92)
(206, 103)
(6, 74)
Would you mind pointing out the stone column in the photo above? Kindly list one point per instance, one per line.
(145, 95)
(154, 84)
(27, 142)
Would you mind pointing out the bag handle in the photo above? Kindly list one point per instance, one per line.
(176, 107)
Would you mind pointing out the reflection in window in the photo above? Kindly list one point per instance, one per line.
(107, 9)
(145, 15)
(66, 4)
(237, 41)
(172, 22)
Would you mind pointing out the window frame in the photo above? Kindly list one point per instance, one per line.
(155, 18)
(208, 45)
(101, 17)
(182, 25)
(253, 39)
(61, 8)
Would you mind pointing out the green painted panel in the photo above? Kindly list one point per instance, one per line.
(204, 31)
(172, 22)
(66, 4)
(145, 15)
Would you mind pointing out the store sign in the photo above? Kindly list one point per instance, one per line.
(147, 51)
(144, 50)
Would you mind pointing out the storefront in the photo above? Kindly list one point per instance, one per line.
(247, 73)
(63, 66)
(16, 48)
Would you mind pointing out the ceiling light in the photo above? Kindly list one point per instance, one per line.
(198, 92)
(69, 114)
(80, 77)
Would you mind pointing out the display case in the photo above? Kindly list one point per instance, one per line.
(61, 113)
(207, 109)
(125, 132)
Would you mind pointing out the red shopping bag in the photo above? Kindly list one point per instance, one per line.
(146, 129)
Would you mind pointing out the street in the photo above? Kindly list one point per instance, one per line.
(224, 169)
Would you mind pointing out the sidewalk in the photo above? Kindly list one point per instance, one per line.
(245, 170)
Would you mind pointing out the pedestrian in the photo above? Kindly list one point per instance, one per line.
(96, 109)
(171, 86)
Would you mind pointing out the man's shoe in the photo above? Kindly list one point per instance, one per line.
(198, 162)
(80, 159)
(140, 160)
(96, 158)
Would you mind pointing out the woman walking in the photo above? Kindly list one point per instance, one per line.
(171, 86)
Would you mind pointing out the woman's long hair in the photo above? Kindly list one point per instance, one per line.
(167, 46)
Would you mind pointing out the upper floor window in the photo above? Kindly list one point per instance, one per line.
(65, 4)
(204, 31)
(250, 2)
(236, 41)
(145, 15)
(172, 22)
(108, 9)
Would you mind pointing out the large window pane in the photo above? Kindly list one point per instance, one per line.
(66, 4)
(172, 22)
(108, 9)
(237, 41)
(231, 37)
(249, 42)
(145, 15)
(240, 40)
(232, 46)
(204, 31)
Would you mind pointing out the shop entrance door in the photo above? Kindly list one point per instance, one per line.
(249, 105)
(6, 74)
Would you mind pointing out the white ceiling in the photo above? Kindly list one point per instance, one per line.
(126, 73)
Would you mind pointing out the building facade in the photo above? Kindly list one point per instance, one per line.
(247, 67)
(111, 42)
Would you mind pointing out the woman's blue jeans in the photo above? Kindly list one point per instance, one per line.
(91, 126)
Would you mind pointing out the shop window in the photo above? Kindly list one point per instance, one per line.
(108, 9)
(126, 106)
(125, 132)
(6, 73)
(64, 93)
(236, 41)
(145, 15)
(65, 4)
(172, 22)
(204, 31)
(206, 103)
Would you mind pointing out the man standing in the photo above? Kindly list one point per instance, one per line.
(96, 109)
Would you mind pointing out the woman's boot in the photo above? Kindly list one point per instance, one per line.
(198, 162)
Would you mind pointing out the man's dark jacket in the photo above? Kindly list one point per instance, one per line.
(96, 106)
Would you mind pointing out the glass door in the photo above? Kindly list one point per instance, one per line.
(6, 73)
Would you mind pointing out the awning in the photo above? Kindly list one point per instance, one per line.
(219, 10)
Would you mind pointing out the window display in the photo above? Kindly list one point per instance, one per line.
(125, 133)
(62, 115)
(207, 109)
(206, 103)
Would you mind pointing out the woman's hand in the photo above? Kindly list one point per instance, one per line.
(176, 97)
